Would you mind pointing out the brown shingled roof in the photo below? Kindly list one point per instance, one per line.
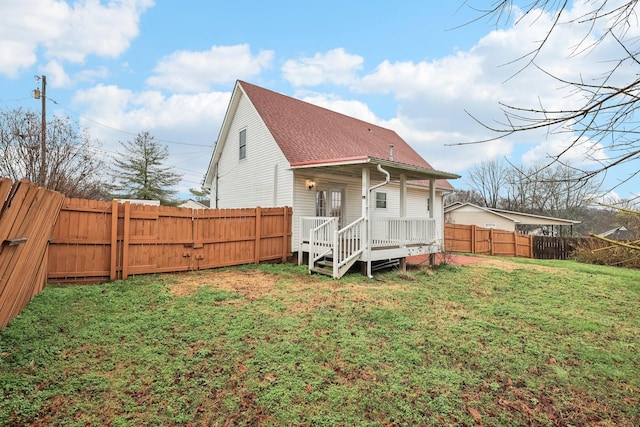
(307, 133)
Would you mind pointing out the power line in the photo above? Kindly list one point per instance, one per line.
(81, 117)
(14, 100)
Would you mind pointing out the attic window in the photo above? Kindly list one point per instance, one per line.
(243, 144)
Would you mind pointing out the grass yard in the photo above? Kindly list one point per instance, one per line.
(500, 342)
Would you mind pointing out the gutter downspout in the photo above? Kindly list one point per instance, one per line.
(386, 181)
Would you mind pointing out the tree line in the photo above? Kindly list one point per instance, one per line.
(556, 190)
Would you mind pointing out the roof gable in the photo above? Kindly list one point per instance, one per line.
(311, 135)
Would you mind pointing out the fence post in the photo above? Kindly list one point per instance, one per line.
(258, 231)
(125, 240)
(473, 239)
(114, 241)
(285, 229)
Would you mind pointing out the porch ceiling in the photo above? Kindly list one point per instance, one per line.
(353, 168)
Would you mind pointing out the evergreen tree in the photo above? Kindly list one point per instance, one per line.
(201, 195)
(140, 172)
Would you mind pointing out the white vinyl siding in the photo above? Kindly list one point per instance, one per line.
(263, 178)
(482, 218)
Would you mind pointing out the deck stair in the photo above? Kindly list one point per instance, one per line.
(325, 266)
(333, 251)
(381, 243)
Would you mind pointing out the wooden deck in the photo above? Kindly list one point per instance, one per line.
(390, 239)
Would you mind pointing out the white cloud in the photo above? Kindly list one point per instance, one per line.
(448, 77)
(66, 31)
(351, 108)
(188, 71)
(436, 98)
(584, 153)
(186, 124)
(133, 112)
(439, 149)
(56, 76)
(335, 66)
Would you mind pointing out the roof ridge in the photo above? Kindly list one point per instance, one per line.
(309, 133)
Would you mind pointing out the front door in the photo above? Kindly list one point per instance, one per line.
(330, 202)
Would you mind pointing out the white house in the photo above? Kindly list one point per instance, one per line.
(358, 191)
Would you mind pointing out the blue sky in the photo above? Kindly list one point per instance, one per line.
(121, 67)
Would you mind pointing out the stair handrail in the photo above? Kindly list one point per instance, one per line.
(348, 244)
(320, 246)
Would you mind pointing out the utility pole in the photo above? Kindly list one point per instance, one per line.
(42, 177)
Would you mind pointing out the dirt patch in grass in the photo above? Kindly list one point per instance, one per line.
(318, 291)
(252, 284)
(507, 265)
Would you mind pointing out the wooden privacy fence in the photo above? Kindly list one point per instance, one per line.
(27, 217)
(489, 241)
(96, 241)
(552, 247)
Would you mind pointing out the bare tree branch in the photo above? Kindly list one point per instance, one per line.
(606, 123)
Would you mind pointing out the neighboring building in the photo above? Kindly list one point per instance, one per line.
(470, 214)
(194, 204)
(618, 233)
(358, 191)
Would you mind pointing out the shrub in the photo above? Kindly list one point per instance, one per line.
(593, 251)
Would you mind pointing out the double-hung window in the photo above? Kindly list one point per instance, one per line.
(381, 200)
(243, 144)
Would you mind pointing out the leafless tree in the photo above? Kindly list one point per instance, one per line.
(464, 196)
(551, 191)
(554, 190)
(488, 178)
(605, 122)
(72, 165)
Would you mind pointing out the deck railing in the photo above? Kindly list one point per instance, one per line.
(308, 223)
(348, 243)
(324, 238)
(321, 239)
(387, 232)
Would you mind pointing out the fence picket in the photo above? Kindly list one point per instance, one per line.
(552, 247)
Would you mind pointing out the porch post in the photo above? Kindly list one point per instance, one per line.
(432, 197)
(403, 195)
(403, 214)
(366, 174)
(432, 215)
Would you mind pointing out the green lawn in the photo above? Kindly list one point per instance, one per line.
(497, 342)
